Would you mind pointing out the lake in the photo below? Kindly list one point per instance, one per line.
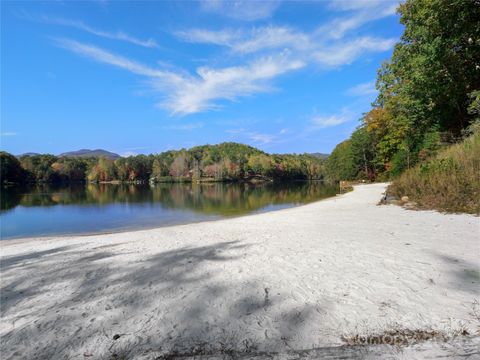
(44, 210)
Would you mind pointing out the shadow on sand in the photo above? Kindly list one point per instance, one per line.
(172, 304)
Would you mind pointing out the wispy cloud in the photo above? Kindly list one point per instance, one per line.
(224, 37)
(257, 137)
(346, 5)
(360, 12)
(327, 45)
(249, 41)
(128, 153)
(8, 133)
(264, 54)
(106, 57)
(241, 10)
(343, 53)
(308, 47)
(338, 28)
(261, 138)
(186, 94)
(246, 42)
(326, 121)
(363, 89)
(273, 37)
(191, 94)
(117, 35)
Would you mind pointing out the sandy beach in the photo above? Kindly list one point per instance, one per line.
(298, 278)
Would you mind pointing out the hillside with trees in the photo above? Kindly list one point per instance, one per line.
(222, 162)
(85, 153)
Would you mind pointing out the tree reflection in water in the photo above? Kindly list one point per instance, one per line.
(92, 208)
(225, 199)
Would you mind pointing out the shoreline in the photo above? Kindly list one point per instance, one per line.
(272, 281)
(133, 230)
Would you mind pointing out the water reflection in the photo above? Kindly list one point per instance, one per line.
(22, 208)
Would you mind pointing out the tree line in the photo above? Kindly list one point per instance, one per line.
(222, 162)
(428, 93)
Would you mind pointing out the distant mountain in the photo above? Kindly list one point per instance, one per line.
(27, 154)
(91, 153)
(320, 155)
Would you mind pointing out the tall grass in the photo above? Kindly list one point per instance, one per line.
(449, 182)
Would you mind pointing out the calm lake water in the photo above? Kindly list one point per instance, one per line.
(95, 208)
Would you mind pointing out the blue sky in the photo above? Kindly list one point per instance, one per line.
(144, 77)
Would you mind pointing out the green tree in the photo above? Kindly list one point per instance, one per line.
(40, 167)
(428, 87)
(363, 153)
(11, 169)
(104, 170)
(340, 164)
(260, 164)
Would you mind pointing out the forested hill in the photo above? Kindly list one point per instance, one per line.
(222, 162)
(90, 153)
(320, 155)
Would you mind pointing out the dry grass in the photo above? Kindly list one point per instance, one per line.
(449, 182)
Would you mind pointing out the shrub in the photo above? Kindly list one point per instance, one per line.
(448, 182)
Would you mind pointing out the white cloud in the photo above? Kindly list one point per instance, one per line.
(106, 57)
(267, 52)
(325, 121)
(339, 27)
(363, 89)
(272, 37)
(322, 46)
(128, 153)
(8, 133)
(258, 137)
(269, 37)
(203, 36)
(343, 53)
(189, 94)
(241, 10)
(346, 5)
(118, 35)
(261, 138)
(275, 37)
(328, 121)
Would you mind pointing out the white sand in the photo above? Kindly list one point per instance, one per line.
(296, 278)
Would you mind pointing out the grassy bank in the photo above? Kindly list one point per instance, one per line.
(449, 182)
